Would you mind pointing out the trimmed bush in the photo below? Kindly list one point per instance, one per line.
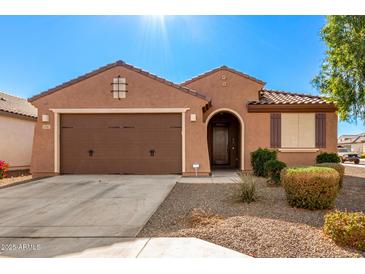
(258, 159)
(273, 169)
(247, 187)
(346, 228)
(325, 157)
(310, 187)
(337, 166)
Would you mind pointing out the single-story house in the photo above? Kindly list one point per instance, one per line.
(17, 121)
(121, 119)
(355, 143)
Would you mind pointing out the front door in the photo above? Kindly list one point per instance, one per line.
(224, 141)
(220, 145)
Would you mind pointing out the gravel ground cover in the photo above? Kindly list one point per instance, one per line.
(14, 180)
(266, 228)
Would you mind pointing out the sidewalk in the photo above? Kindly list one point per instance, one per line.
(159, 248)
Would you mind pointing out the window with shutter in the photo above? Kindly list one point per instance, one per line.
(320, 130)
(275, 130)
(297, 130)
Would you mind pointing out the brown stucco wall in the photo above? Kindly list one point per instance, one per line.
(95, 92)
(231, 93)
(235, 95)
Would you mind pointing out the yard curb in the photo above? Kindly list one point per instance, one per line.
(23, 182)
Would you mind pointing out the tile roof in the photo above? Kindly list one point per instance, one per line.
(222, 68)
(16, 105)
(123, 64)
(352, 139)
(277, 97)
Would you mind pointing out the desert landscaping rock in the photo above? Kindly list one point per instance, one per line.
(15, 180)
(266, 228)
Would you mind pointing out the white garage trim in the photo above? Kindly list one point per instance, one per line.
(235, 113)
(57, 113)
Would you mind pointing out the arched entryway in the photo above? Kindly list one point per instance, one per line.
(224, 140)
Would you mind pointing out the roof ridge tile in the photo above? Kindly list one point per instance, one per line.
(112, 65)
(222, 67)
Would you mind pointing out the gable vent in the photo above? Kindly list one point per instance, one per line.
(119, 87)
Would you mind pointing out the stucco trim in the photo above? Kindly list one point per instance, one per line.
(235, 113)
(298, 149)
(58, 112)
(119, 110)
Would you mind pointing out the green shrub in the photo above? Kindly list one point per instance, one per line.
(325, 157)
(346, 228)
(310, 187)
(258, 159)
(273, 169)
(337, 166)
(247, 187)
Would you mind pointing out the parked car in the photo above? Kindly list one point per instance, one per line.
(347, 155)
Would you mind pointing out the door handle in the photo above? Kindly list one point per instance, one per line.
(91, 152)
(152, 152)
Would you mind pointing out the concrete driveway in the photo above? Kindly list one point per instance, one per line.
(82, 205)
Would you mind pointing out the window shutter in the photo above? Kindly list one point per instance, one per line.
(275, 130)
(320, 130)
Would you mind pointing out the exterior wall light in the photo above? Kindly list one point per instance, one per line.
(45, 118)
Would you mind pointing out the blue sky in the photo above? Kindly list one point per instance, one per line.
(39, 52)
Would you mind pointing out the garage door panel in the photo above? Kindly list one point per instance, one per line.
(118, 148)
(124, 121)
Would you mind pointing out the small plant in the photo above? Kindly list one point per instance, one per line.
(247, 187)
(4, 167)
(325, 157)
(199, 217)
(310, 187)
(346, 228)
(258, 159)
(338, 167)
(273, 169)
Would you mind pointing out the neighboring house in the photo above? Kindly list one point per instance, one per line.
(121, 119)
(355, 143)
(17, 121)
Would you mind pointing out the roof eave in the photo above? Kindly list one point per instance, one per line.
(110, 66)
(205, 74)
(17, 115)
(261, 108)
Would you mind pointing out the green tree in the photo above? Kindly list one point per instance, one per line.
(342, 74)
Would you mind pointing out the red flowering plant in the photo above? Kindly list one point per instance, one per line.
(4, 167)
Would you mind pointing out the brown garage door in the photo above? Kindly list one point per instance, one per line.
(121, 143)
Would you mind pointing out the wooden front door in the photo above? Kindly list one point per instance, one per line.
(224, 142)
(220, 145)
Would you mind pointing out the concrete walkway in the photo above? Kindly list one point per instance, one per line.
(116, 248)
(218, 177)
